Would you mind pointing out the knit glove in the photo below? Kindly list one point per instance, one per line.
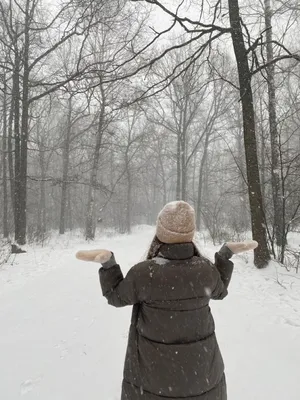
(104, 257)
(231, 248)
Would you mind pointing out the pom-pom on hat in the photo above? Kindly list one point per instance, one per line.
(176, 223)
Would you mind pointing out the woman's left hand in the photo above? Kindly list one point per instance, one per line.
(100, 256)
(231, 248)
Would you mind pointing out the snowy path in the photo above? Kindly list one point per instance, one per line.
(59, 340)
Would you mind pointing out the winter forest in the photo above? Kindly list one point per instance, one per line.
(109, 109)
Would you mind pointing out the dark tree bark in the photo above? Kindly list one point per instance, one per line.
(183, 167)
(178, 166)
(41, 223)
(17, 139)
(22, 189)
(184, 132)
(42, 228)
(4, 162)
(261, 254)
(21, 137)
(10, 150)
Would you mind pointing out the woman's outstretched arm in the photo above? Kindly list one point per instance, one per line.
(119, 291)
(225, 267)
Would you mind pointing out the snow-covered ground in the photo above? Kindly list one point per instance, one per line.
(59, 340)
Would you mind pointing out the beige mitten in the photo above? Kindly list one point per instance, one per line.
(241, 247)
(104, 257)
(231, 248)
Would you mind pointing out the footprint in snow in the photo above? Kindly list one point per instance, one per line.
(28, 385)
(292, 323)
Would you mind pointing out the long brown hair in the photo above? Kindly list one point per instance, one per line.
(156, 245)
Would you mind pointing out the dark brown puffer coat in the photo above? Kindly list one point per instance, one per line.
(172, 349)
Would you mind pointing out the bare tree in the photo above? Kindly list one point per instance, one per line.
(90, 216)
(4, 159)
(275, 146)
(178, 112)
(133, 136)
(255, 198)
(66, 161)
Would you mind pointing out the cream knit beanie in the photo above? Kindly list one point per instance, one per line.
(176, 223)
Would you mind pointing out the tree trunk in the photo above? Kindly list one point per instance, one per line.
(262, 153)
(200, 183)
(21, 187)
(4, 162)
(42, 208)
(193, 183)
(128, 195)
(128, 205)
(10, 150)
(163, 177)
(153, 207)
(90, 226)
(69, 209)
(242, 185)
(178, 161)
(17, 180)
(184, 131)
(66, 161)
(261, 254)
(183, 167)
(275, 146)
(41, 226)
